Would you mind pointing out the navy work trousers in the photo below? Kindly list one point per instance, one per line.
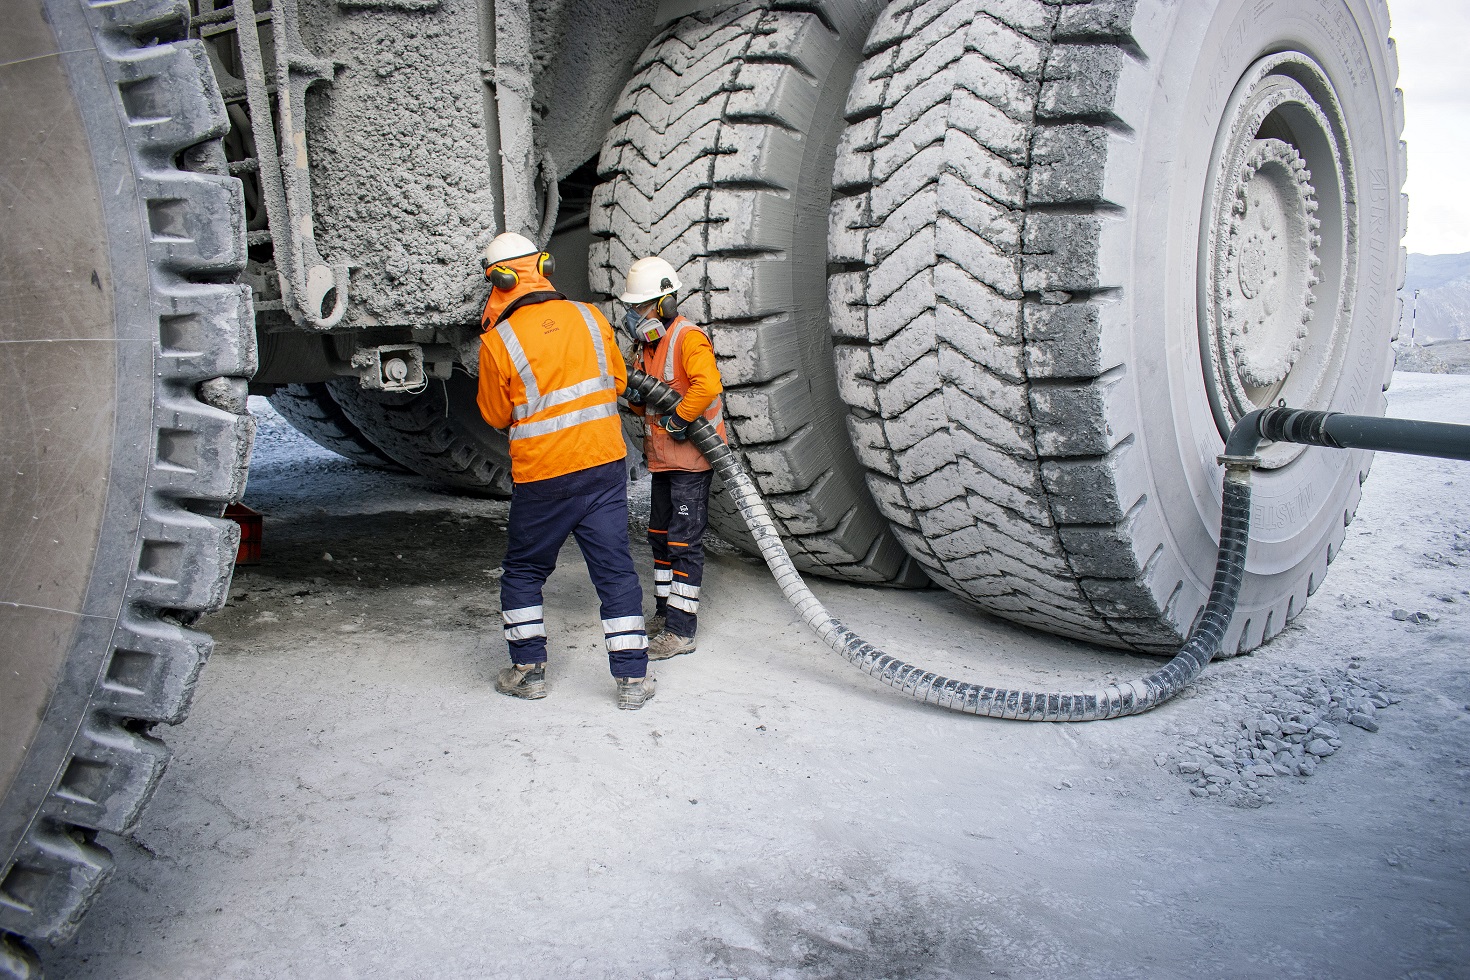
(677, 518)
(538, 528)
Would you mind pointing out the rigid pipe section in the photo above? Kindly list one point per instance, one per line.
(1114, 700)
(1338, 431)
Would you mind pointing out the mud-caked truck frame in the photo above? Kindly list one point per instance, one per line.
(989, 282)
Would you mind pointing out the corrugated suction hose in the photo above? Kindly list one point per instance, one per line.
(1114, 700)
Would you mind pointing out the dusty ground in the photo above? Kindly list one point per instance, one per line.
(350, 798)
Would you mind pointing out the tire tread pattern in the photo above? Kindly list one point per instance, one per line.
(170, 107)
(702, 167)
(437, 433)
(971, 312)
(973, 364)
(311, 411)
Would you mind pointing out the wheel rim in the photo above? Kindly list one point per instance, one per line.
(1276, 246)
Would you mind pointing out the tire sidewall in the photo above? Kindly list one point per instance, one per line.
(129, 336)
(1298, 511)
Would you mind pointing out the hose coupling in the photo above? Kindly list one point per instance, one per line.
(1238, 464)
(1298, 425)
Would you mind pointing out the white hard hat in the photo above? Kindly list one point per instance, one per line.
(503, 248)
(649, 279)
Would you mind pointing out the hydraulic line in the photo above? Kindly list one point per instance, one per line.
(1115, 700)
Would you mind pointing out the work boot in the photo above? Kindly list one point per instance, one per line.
(666, 645)
(654, 625)
(523, 681)
(634, 691)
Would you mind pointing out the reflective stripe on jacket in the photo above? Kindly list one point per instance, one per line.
(547, 378)
(673, 360)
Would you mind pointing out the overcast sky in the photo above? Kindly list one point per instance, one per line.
(1434, 72)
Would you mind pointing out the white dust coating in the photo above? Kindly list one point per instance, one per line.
(1265, 288)
(582, 54)
(400, 172)
(350, 795)
(1266, 241)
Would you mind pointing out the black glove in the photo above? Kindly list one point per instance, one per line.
(676, 427)
(634, 396)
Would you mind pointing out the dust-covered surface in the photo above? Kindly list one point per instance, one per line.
(350, 798)
(1452, 357)
(400, 156)
(582, 54)
(400, 163)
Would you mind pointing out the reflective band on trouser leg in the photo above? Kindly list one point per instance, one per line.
(535, 533)
(684, 597)
(688, 517)
(521, 625)
(525, 632)
(659, 512)
(602, 534)
(526, 614)
(624, 633)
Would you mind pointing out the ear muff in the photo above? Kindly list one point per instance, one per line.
(668, 306)
(503, 278)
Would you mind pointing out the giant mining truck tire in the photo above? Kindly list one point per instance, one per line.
(437, 433)
(123, 428)
(1073, 244)
(312, 411)
(720, 160)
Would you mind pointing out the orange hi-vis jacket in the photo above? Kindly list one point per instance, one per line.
(550, 374)
(684, 359)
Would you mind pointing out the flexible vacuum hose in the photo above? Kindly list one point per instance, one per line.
(1114, 700)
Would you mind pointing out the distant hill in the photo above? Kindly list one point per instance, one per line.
(1443, 282)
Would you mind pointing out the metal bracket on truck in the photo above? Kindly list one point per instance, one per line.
(313, 292)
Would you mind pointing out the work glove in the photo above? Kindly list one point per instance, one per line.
(634, 396)
(676, 427)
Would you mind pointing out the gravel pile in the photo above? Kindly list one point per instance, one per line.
(1287, 729)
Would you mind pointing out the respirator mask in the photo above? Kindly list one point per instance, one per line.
(645, 327)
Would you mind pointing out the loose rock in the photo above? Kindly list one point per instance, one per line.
(1283, 731)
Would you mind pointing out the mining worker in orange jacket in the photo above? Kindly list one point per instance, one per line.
(550, 375)
(678, 352)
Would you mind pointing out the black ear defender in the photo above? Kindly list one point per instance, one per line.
(668, 304)
(504, 278)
